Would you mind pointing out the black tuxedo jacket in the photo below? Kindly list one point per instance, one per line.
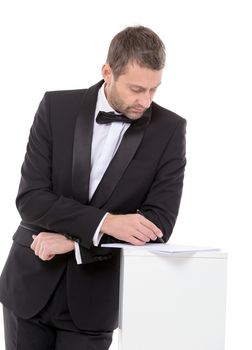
(146, 173)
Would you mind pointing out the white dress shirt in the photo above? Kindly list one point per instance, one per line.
(105, 142)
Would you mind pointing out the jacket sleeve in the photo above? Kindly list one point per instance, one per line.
(162, 202)
(36, 201)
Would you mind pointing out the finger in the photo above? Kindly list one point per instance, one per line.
(139, 234)
(147, 232)
(135, 241)
(39, 242)
(147, 223)
(50, 257)
(34, 243)
(146, 227)
(36, 251)
(46, 257)
(43, 253)
(35, 246)
(39, 249)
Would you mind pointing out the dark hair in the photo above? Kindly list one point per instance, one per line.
(139, 44)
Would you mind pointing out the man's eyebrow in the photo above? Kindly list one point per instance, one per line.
(142, 87)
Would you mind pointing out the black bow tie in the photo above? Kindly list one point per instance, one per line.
(110, 117)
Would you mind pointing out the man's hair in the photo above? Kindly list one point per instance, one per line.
(136, 44)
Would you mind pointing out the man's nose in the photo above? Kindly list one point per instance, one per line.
(146, 100)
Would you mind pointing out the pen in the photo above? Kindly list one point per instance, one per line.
(159, 238)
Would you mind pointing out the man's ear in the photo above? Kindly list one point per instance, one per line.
(107, 73)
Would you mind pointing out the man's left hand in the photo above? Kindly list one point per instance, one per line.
(46, 245)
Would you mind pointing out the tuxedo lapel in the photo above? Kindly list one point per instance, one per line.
(82, 144)
(82, 152)
(128, 146)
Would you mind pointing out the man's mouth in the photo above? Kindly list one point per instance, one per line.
(138, 110)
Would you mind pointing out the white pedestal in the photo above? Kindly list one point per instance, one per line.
(174, 302)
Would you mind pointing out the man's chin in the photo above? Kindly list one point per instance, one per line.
(135, 114)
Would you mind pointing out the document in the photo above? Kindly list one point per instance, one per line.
(164, 248)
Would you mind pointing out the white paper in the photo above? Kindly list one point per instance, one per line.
(165, 248)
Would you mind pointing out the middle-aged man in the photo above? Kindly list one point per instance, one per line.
(91, 177)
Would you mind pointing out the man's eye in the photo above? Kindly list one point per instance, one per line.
(136, 90)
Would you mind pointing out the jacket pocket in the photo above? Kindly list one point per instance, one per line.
(23, 235)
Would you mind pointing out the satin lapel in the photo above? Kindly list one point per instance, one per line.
(82, 144)
(128, 146)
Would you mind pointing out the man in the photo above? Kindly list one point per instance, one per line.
(89, 178)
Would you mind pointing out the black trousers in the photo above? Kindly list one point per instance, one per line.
(52, 328)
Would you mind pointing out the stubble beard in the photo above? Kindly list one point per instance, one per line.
(119, 106)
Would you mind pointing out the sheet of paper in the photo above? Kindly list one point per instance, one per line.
(162, 247)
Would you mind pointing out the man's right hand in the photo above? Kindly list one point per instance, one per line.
(131, 228)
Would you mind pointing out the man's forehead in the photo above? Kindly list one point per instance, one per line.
(141, 77)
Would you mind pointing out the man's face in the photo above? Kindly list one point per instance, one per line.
(133, 91)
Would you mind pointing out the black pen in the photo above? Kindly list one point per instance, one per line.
(159, 238)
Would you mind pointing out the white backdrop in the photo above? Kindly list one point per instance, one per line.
(51, 45)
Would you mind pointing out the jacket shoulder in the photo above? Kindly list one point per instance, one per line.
(63, 104)
(166, 115)
(65, 92)
(64, 95)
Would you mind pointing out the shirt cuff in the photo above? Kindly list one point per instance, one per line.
(96, 240)
(98, 235)
(77, 253)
